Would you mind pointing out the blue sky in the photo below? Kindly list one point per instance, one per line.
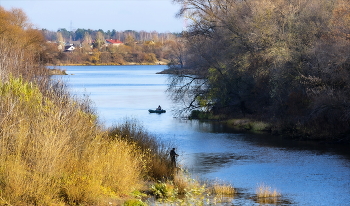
(147, 15)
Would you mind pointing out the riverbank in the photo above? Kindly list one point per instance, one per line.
(57, 71)
(110, 64)
(258, 126)
(239, 124)
(255, 126)
(286, 126)
(177, 71)
(162, 62)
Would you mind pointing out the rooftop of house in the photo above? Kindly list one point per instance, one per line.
(113, 41)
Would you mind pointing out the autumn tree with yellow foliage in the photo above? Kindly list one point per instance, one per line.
(20, 45)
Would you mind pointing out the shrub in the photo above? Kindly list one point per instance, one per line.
(163, 190)
(196, 114)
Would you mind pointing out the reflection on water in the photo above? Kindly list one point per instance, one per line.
(305, 173)
(211, 162)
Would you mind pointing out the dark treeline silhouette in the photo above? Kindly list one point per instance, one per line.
(286, 62)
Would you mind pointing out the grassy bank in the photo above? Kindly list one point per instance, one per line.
(53, 151)
(241, 124)
(252, 124)
(248, 125)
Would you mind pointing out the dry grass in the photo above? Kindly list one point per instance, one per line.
(191, 191)
(156, 152)
(221, 188)
(185, 183)
(53, 153)
(264, 191)
(182, 183)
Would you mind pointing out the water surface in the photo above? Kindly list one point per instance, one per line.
(306, 173)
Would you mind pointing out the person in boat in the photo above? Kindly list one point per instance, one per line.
(159, 108)
(173, 156)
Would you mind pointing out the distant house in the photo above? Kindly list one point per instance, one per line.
(69, 48)
(76, 44)
(113, 42)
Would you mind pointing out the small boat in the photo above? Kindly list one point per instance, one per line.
(156, 111)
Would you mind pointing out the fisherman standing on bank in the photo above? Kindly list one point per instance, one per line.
(173, 157)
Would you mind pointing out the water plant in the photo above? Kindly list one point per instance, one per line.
(264, 191)
(265, 195)
(221, 188)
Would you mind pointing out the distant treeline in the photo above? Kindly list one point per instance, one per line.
(90, 47)
(79, 34)
(286, 62)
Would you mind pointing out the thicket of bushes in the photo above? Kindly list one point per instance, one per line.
(285, 62)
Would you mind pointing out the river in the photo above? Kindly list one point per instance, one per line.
(305, 173)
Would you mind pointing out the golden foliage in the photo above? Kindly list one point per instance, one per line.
(52, 152)
(19, 45)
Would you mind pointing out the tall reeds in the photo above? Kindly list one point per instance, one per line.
(264, 191)
(265, 195)
(222, 188)
(155, 151)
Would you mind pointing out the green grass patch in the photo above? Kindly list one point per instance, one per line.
(249, 125)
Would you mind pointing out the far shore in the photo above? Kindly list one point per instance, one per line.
(111, 64)
(57, 71)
